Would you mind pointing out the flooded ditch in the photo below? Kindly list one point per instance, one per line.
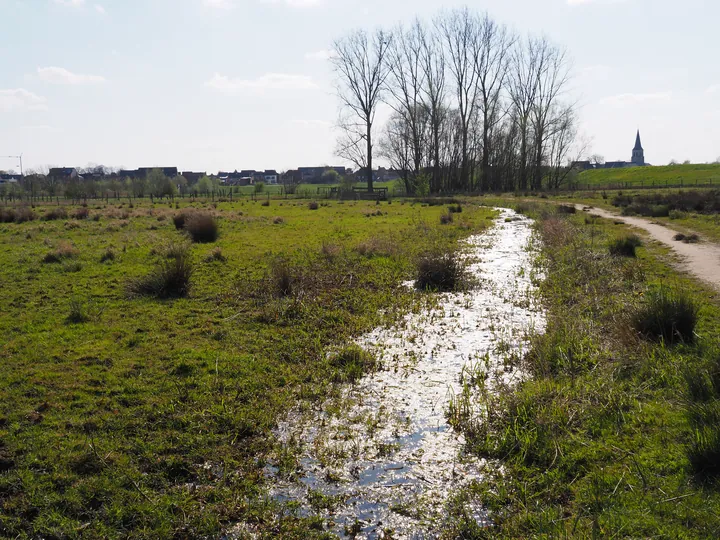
(382, 456)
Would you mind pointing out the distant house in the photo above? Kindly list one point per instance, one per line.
(271, 176)
(7, 178)
(192, 177)
(60, 175)
(314, 175)
(170, 172)
(128, 173)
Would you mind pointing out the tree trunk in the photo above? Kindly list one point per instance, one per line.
(369, 157)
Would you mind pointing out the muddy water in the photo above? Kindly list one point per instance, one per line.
(382, 456)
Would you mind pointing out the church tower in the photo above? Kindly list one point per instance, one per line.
(638, 154)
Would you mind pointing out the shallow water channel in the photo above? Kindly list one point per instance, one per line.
(383, 456)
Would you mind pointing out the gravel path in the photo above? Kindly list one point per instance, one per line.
(702, 260)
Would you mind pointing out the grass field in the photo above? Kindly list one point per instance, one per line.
(609, 438)
(137, 417)
(307, 190)
(672, 175)
(125, 416)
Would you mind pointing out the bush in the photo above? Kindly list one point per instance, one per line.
(7, 215)
(446, 218)
(180, 218)
(201, 227)
(170, 279)
(55, 213)
(440, 272)
(455, 209)
(625, 247)
(215, 255)
(81, 213)
(77, 312)
(313, 205)
(265, 203)
(277, 220)
(108, 255)
(62, 252)
(668, 316)
(566, 209)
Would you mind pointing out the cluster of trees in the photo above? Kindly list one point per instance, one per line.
(92, 183)
(474, 106)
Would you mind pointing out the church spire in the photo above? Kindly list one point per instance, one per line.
(638, 146)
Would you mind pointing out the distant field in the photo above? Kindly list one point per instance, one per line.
(671, 175)
(305, 189)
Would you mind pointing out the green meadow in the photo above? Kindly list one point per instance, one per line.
(132, 416)
(670, 175)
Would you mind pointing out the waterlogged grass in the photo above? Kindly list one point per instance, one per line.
(615, 434)
(135, 416)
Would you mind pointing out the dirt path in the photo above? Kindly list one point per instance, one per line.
(701, 260)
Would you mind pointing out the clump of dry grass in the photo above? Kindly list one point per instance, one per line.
(216, 255)
(63, 251)
(440, 271)
(170, 279)
(202, 227)
(377, 246)
(277, 220)
(81, 213)
(313, 205)
(55, 213)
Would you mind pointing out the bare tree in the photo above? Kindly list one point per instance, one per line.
(433, 64)
(396, 145)
(460, 32)
(491, 65)
(561, 147)
(361, 70)
(552, 74)
(405, 85)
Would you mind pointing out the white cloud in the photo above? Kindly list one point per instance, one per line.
(714, 89)
(58, 75)
(20, 99)
(100, 9)
(70, 3)
(624, 100)
(323, 54)
(269, 81)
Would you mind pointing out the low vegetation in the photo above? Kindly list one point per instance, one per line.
(615, 432)
(625, 246)
(153, 417)
(671, 175)
(201, 227)
(440, 271)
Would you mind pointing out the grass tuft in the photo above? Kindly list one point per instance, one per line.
(625, 247)
(64, 251)
(313, 205)
(57, 212)
(108, 255)
(202, 227)
(440, 271)
(170, 279)
(667, 315)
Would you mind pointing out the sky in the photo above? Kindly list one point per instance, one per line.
(208, 85)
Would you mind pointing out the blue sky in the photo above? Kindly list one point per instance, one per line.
(230, 84)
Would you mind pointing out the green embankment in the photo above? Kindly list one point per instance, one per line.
(672, 175)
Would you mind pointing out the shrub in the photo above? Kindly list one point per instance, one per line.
(55, 213)
(77, 312)
(215, 255)
(351, 363)
(446, 218)
(625, 247)
(201, 227)
(455, 209)
(108, 255)
(439, 271)
(180, 218)
(7, 215)
(668, 316)
(170, 279)
(566, 209)
(277, 220)
(313, 205)
(679, 237)
(81, 213)
(265, 203)
(24, 214)
(62, 252)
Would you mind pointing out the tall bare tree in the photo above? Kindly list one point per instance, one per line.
(433, 64)
(460, 32)
(405, 85)
(361, 69)
(552, 73)
(491, 65)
